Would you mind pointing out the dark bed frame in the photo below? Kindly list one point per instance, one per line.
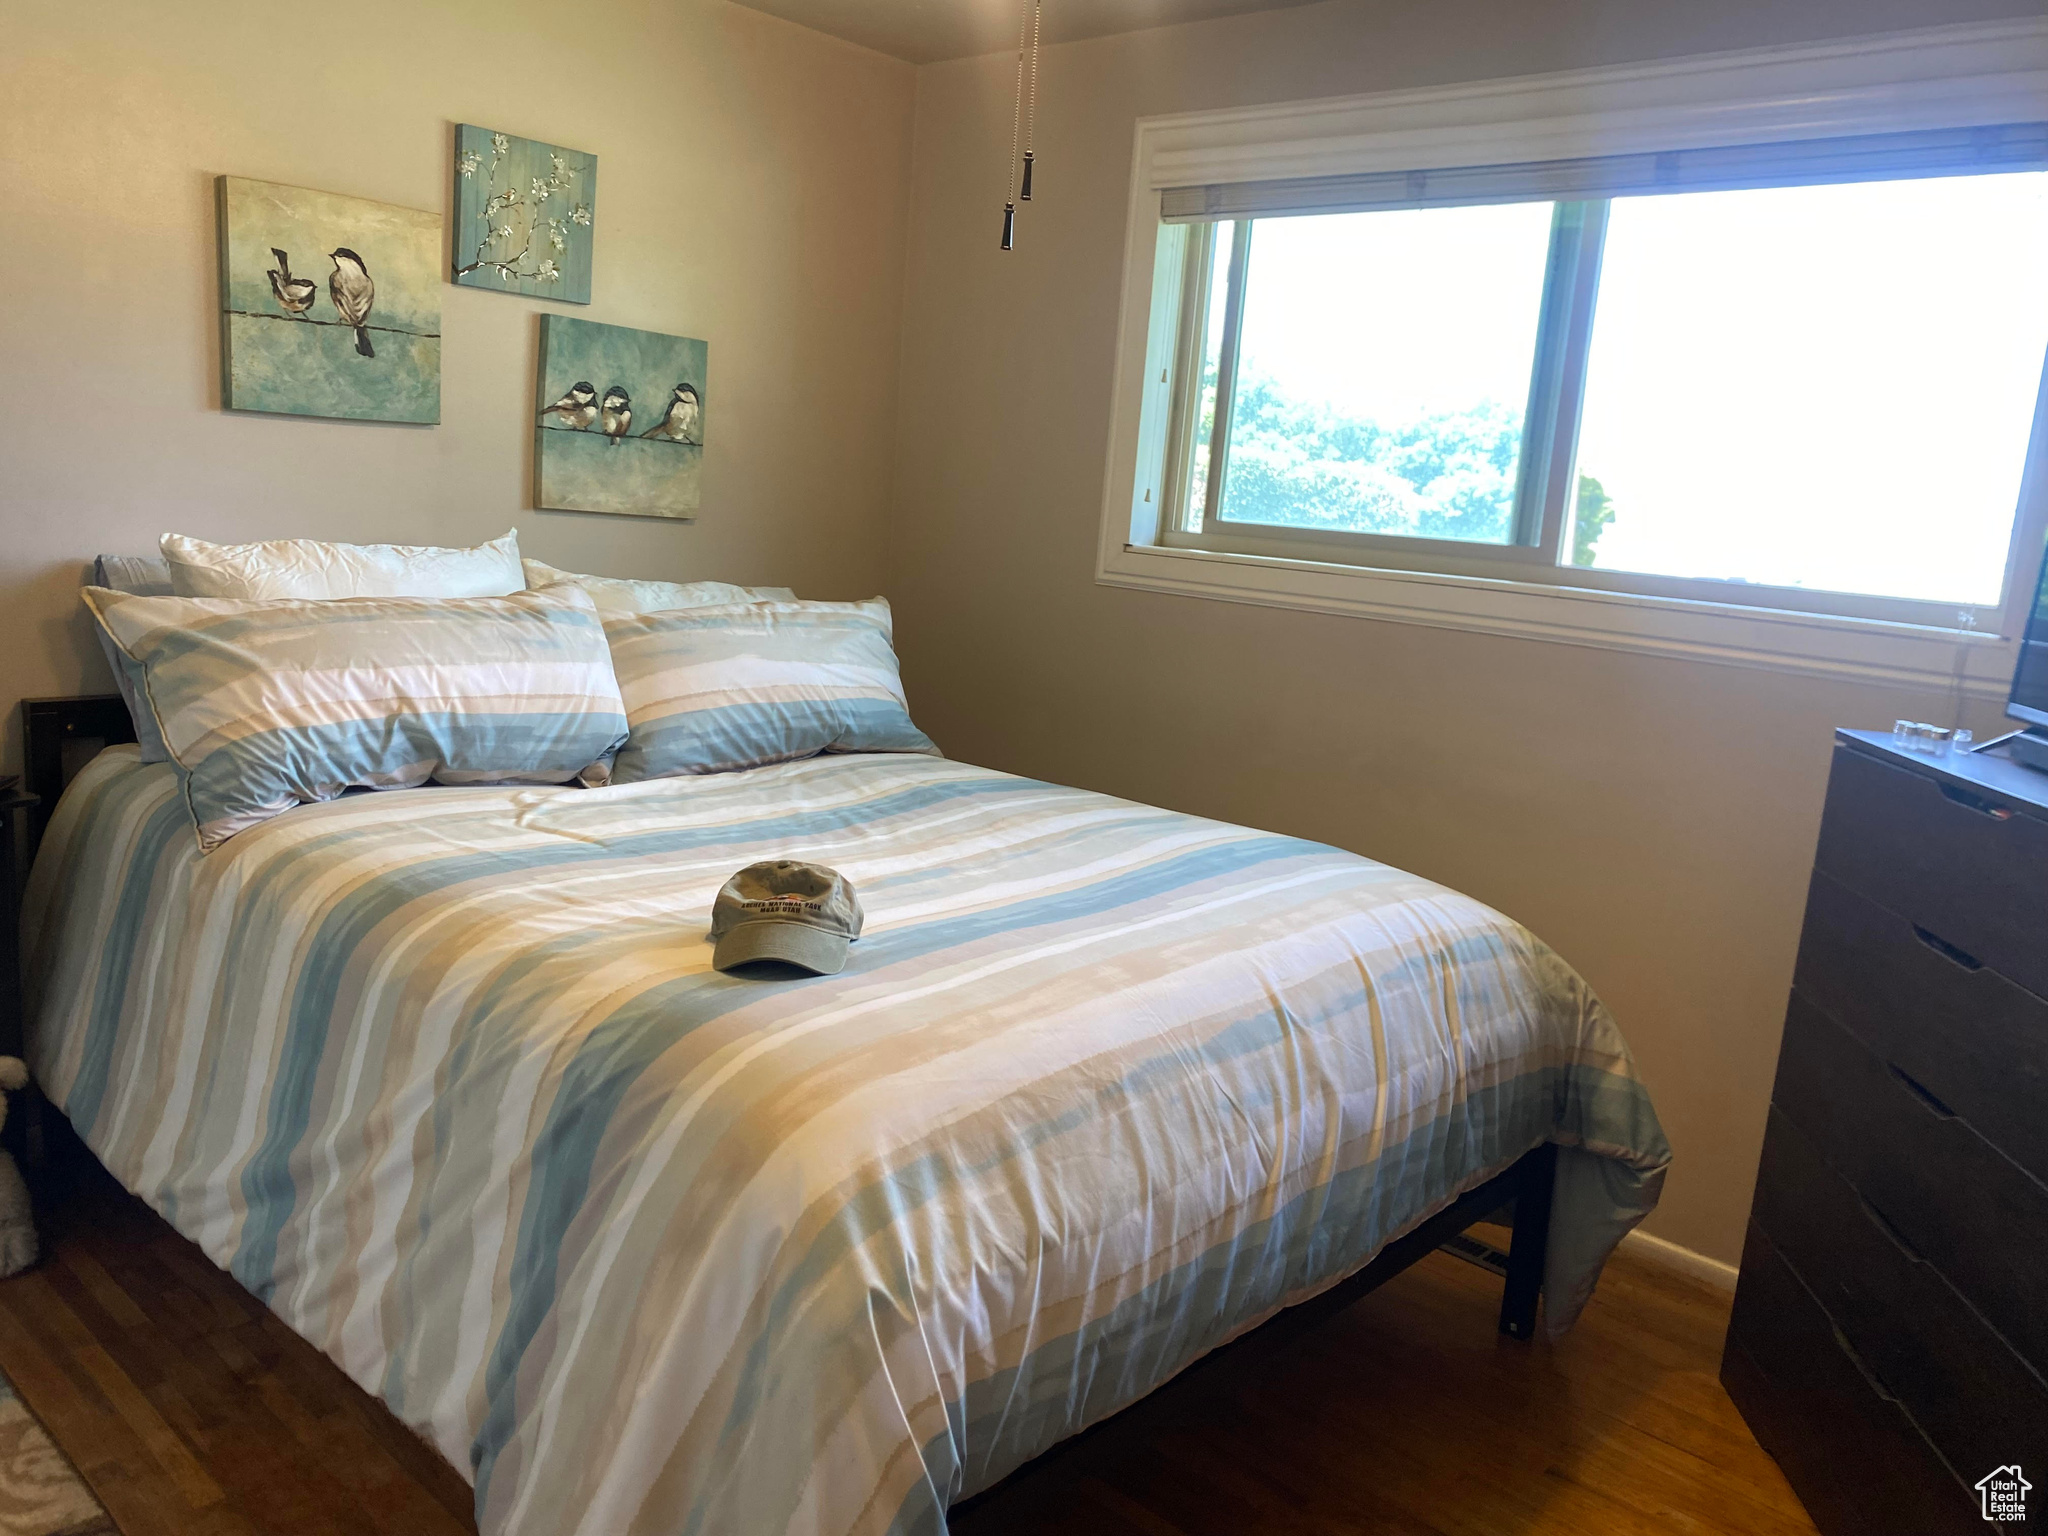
(61, 735)
(1524, 1185)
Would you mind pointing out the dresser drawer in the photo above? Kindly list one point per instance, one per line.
(1852, 1456)
(1968, 867)
(1967, 1208)
(1970, 1395)
(1974, 1040)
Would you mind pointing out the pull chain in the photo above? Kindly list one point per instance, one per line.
(1016, 122)
(1031, 104)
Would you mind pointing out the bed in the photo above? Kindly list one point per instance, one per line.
(444, 1077)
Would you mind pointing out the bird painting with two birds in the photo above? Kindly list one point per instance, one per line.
(358, 337)
(349, 285)
(595, 411)
(295, 295)
(353, 293)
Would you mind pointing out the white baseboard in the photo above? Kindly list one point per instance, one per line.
(1668, 1255)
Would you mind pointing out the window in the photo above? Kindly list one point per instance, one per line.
(1355, 414)
(1735, 358)
(1826, 387)
(1812, 396)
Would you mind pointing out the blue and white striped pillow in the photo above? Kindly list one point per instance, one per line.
(713, 689)
(270, 704)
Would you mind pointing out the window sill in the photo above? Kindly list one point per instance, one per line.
(1813, 645)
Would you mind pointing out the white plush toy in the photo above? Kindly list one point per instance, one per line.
(17, 1223)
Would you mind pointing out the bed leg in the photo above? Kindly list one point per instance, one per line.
(1531, 1237)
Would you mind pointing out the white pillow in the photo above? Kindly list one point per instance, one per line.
(313, 568)
(615, 594)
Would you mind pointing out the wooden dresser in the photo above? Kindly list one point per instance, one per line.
(1890, 1334)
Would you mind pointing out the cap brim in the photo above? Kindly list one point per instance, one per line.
(798, 944)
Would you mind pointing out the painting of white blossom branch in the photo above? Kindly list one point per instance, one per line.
(525, 215)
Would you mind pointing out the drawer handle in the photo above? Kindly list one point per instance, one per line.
(1882, 1222)
(1919, 1091)
(1975, 802)
(1946, 950)
(1874, 1381)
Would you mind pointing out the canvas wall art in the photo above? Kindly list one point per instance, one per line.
(525, 215)
(330, 305)
(621, 419)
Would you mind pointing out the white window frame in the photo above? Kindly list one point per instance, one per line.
(1943, 77)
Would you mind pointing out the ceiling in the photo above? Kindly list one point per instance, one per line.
(925, 31)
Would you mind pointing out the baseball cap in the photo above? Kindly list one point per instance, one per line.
(784, 909)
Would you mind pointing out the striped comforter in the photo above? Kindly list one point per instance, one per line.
(444, 1076)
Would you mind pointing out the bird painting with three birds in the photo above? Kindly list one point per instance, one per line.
(577, 409)
(616, 417)
(679, 422)
(353, 292)
(619, 424)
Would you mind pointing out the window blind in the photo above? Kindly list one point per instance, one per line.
(1806, 162)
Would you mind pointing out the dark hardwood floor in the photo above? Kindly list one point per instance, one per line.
(1407, 1414)
(188, 1408)
(185, 1404)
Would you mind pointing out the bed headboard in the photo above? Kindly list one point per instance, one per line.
(59, 737)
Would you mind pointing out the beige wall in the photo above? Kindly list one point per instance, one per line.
(752, 187)
(1652, 819)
